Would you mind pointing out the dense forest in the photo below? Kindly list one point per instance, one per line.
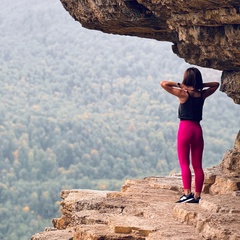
(83, 109)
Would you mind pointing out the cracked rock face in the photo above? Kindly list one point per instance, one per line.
(146, 209)
(204, 33)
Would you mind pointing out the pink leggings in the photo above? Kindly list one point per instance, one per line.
(190, 139)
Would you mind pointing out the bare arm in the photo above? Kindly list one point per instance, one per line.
(175, 89)
(170, 87)
(211, 88)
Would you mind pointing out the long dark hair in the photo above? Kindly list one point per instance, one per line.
(193, 78)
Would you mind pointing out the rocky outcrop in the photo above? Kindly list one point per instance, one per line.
(231, 162)
(204, 33)
(146, 210)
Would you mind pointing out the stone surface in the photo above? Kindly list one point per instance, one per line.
(204, 33)
(216, 217)
(231, 162)
(54, 234)
(146, 210)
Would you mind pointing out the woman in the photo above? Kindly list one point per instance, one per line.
(191, 94)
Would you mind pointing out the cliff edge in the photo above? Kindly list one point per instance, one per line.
(145, 209)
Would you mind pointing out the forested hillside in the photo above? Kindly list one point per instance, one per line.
(83, 109)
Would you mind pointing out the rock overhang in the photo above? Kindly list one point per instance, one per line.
(203, 33)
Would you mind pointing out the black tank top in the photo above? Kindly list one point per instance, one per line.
(191, 109)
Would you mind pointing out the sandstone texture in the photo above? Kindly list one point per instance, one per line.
(204, 33)
(146, 210)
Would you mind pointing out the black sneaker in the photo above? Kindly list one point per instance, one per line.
(194, 200)
(186, 198)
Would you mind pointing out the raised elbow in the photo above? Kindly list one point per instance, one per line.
(163, 83)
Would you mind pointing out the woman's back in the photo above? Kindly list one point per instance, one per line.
(192, 108)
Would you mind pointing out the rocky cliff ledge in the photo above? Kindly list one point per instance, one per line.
(146, 209)
(204, 33)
